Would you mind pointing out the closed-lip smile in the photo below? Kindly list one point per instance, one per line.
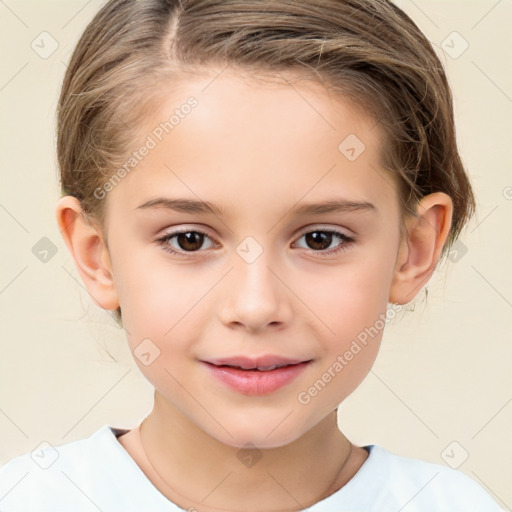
(260, 375)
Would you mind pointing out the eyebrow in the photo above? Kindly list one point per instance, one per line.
(205, 207)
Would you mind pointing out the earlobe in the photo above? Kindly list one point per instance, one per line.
(85, 243)
(421, 247)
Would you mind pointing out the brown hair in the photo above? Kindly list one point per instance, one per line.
(368, 51)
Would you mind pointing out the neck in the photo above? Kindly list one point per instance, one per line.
(192, 469)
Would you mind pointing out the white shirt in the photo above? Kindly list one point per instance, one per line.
(97, 474)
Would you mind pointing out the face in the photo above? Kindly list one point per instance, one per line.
(261, 274)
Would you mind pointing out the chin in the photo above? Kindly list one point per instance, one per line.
(261, 434)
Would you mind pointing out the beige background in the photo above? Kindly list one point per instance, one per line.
(444, 373)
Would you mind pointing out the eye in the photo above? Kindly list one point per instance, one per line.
(188, 240)
(192, 240)
(321, 239)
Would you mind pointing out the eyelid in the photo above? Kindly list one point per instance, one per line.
(181, 228)
(322, 227)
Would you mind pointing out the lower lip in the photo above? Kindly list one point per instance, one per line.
(254, 382)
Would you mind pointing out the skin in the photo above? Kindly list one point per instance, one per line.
(256, 149)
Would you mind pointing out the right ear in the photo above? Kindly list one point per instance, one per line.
(86, 245)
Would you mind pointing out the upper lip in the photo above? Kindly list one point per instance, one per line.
(266, 362)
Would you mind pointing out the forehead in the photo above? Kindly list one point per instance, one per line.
(257, 141)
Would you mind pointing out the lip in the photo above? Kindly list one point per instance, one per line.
(251, 380)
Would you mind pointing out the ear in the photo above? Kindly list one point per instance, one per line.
(421, 246)
(85, 243)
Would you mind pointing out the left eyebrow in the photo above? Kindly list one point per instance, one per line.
(334, 206)
(205, 207)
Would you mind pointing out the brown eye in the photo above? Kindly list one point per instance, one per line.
(187, 241)
(320, 240)
(190, 241)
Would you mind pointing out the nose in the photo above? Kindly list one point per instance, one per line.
(255, 296)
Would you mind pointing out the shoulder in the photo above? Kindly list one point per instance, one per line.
(72, 473)
(420, 485)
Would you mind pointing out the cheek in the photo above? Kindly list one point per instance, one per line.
(354, 308)
(346, 299)
(162, 301)
(351, 300)
(152, 295)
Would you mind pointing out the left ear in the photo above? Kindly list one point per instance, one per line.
(421, 246)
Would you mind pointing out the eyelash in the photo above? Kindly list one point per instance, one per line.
(346, 241)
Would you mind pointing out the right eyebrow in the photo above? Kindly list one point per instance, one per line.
(182, 205)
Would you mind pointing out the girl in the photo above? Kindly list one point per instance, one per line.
(251, 187)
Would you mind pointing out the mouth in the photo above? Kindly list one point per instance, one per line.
(263, 363)
(256, 377)
(256, 368)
